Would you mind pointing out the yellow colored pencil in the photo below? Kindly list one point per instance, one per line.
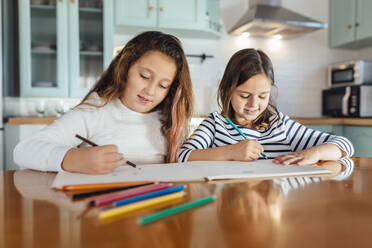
(130, 208)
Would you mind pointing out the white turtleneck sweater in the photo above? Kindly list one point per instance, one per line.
(138, 136)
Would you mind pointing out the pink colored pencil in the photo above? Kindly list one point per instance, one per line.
(124, 195)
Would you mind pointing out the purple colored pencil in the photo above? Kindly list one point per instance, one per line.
(124, 195)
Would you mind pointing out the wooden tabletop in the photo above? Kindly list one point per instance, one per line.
(281, 212)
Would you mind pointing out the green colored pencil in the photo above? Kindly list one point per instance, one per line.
(167, 212)
(241, 133)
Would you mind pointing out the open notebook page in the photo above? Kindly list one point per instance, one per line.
(190, 171)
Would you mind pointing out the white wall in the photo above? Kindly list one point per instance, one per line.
(299, 64)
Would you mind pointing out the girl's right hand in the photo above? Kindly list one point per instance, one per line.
(93, 160)
(246, 150)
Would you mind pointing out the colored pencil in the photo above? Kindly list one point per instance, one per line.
(105, 191)
(241, 133)
(149, 195)
(134, 207)
(98, 186)
(167, 212)
(94, 144)
(124, 195)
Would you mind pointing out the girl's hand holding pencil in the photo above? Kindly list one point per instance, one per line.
(246, 150)
(93, 160)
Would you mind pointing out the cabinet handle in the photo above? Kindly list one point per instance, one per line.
(72, 1)
(151, 8)
(356, 25)
(162, 9)
(61, 1)
(349, 26)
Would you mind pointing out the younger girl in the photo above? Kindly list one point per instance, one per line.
(244, 96)
(138, 110)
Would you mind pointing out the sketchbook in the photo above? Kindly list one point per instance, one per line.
(190, 171)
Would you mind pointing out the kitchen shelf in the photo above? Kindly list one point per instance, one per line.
(91, 53)
(43, 7)
(90, 10)
(43, 51)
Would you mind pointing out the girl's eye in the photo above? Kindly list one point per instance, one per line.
(262, 97)
(143, 76)
(163, 87)
(244, 96)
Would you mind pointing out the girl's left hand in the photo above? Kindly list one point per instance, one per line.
(305, 157)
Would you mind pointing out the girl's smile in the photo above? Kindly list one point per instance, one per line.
(143, 100)
(250, 111)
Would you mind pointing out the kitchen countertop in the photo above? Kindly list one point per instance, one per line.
(305, 121)
(335, 121)
(31, 120)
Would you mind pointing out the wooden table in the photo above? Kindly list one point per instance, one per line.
(295, 212)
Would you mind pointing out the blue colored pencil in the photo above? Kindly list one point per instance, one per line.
(241, 133)
(149, 195)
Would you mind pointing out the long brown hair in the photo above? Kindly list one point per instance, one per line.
(243, 65)
(177, 107)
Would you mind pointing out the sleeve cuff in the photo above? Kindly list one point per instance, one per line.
(185, 157)
(342, 148)
(56, 157)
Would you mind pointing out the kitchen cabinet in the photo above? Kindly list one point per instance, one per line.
(64, 45)
(350, 23)
(14, 134)
(361, 137)
(192, 18)
(331, 129)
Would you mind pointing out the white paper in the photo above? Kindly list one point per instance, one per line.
(190, 171)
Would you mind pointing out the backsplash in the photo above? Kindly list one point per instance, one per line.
(34, 106)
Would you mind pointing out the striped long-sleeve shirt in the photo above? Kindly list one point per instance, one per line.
(281, 137)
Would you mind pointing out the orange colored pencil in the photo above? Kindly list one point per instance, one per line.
(100, 185)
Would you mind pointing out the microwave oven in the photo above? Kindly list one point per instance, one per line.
(356, 72)
(348, 101)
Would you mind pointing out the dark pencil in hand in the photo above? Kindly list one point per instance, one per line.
(94, 144)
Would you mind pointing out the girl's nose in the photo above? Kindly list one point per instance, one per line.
(252, 101)
(150, 88)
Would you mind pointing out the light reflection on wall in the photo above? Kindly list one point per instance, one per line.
(274, 45)
(242, 42)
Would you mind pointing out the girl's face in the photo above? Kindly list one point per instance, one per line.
(250, 99)
(149, 81)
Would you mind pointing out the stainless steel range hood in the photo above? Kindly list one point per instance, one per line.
(266, 18)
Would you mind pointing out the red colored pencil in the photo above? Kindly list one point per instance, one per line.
(127, 194)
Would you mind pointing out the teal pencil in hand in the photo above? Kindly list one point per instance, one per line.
(162, 214)
(241, 133)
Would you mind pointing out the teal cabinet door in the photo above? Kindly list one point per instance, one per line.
(331, 129)
(341, 22)
(191, 18)
(361, 137)
(213, 13)
(13, 135)
(139, 13)
(179, 14)
(364, 19)
(43, 49)
(90, 43)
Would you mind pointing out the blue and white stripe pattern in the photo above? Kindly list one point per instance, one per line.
(283, 136)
